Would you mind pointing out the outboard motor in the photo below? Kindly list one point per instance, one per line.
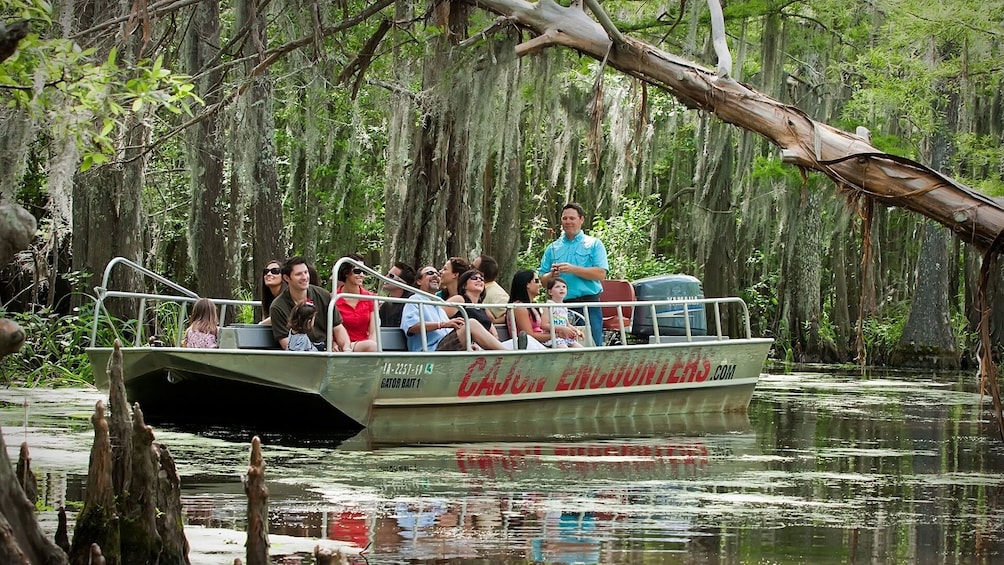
(670, 317)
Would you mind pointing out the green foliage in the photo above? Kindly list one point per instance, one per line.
(627, 241)
(80, 96)
(883, 331)
(54, 350)
(761, 297)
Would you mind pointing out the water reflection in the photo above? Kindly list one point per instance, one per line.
(827, 468)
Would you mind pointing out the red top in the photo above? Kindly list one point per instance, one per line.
(357, 320)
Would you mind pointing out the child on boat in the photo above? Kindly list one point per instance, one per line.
(203, 326)
(301, 320)
(557, 288)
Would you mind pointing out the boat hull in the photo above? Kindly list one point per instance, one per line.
(404, 391)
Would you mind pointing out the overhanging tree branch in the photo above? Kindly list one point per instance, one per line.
(846, 158)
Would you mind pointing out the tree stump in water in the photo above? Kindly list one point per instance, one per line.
(21, 538)
(25, 477)
(98, 522)
(257, 493)
(125, 487)
(170, 524)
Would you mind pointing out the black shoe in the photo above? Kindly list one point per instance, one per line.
(521, 340)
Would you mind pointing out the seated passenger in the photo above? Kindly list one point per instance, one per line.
(442, 333)
(494, 293)
(452, 269)
(296, 274)
(471, 290)
(301, 320)
(357, 315)
(390, 312)
(271, 286)
(525, 287)
(557, 316)
(203, 326)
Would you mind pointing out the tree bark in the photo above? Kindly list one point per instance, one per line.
(850, 161)
(927, 339)
(254, 146)
(257, 493)
(436, 223)
(209, 225)
(21, 538)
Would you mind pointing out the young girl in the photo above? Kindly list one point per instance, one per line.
(203, 326)
(557, 316)
(301, 321)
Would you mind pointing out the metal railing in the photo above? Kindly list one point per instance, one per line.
(657, 309)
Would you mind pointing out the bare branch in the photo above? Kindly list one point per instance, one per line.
(718, 39)
(499, 24)
(601, 16)
(362, 61)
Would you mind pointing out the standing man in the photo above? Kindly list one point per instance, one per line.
(390, 312)
(581, 260)
(494, 293)
(296, 273)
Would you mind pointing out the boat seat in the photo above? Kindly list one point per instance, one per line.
(393, 339)
(247, 336)
(617, 291)
(503, 331)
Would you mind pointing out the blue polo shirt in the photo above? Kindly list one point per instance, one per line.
(429, 313)
(582, 251)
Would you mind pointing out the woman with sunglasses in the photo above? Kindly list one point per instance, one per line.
(471, 290)
(272, 285)
(357, 313)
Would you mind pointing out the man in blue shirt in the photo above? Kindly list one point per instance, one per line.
(581, 260)
(441, 333)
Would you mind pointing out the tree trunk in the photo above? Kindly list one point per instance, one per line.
(107, 199)
(399, 135)
(927, 339)
(209, 223)
(254, 147)
(718, 226)
(852, 162)
(17, 131)
(21, 538)
(435, 225)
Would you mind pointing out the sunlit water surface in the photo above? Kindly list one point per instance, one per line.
(826, 468)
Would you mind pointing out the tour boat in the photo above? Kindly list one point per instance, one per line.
(249, 382)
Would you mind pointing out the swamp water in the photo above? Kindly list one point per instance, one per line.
(826, 468)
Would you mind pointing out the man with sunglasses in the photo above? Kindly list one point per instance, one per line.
(296, 273)
(390, 312)
(441, 332)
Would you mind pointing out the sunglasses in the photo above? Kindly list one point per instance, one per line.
(357, 271)
(476, 278)
(430, 273)
(272, 271)
(394, 277)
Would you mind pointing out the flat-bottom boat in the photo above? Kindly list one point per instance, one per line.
(249, 382)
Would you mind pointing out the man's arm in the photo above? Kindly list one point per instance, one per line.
(546, 266)
(588, 273)
(280, 330)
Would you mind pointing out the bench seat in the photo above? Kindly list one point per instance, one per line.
(254, 336)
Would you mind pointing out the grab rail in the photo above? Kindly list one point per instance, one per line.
(684, 307)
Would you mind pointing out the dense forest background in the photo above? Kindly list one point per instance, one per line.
(201, 139)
